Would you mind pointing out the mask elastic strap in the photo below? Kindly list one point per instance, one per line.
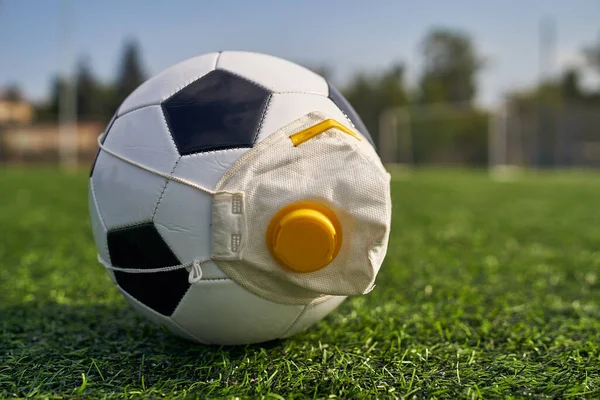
(194, 276)
(151, 170)
(196, 265)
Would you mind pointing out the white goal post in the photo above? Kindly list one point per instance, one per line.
(397, 135)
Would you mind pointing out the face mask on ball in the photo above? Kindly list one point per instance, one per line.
(303, 215)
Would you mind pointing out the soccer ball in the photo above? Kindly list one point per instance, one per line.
(142, 220)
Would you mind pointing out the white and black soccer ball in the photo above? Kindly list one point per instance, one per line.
(194, 121)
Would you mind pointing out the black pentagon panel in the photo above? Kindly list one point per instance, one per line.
(103, 138)
(218, 111)
(344, 105)
(142, 247)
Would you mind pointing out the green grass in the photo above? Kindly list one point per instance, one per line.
(489, 289)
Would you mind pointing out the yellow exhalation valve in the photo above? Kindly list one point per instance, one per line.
(304, 236)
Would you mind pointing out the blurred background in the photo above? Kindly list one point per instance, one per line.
(501, 85)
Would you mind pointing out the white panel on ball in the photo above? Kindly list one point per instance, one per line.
(222, 312)
(168, 82)
(206, 169)
(98, 229)
(183, 220)
(313, 314)
(127, 194)
(274, 73)
(159, 319)
(287, 107)
(143, 136)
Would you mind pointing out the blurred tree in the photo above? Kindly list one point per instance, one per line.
(13, 93)
(452, 134)
(538, 111)
(592, 55)
(131, 73)
(370, 95)
(94, 100)
(450, 66)
(362, 94)
(391, 90)
(570, 89)
(48, 110)
(90, 103)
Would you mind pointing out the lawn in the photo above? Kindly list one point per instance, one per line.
(489, 288)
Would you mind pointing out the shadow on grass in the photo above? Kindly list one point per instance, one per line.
(96, 327)
(49, 347)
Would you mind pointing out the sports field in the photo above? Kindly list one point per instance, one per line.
(489, 289)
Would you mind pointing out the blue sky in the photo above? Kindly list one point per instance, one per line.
(348, 35)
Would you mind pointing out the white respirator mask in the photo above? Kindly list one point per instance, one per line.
(303, 215)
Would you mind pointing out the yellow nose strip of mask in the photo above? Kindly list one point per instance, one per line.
(308, 133)
(304, 237)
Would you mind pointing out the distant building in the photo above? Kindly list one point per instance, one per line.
(25, 140)
(41, 143)
(15, 112)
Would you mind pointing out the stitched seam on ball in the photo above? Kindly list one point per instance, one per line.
(127, 226)
(111, 123)
(181, 299)
(185, 330)
(164, 189)
(189, 156)
(321, 95)
(290, 326)
(200, 151)
(170, 134)
(190, 288)
(186, 84)
(348, 118)
(127, 294)
(216, 67)
(262, 118)
(137, 109)
(217, 60)
(93, 192)
(245, 78)
(344, 113)
(302, 92)
(104, 228)
(167, 243)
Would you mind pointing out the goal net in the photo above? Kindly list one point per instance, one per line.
(505, 139)
(434, 135)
